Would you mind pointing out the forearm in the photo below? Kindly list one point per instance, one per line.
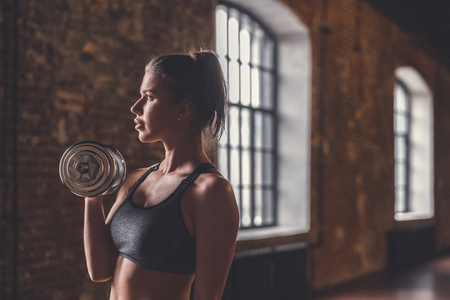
(98, 245)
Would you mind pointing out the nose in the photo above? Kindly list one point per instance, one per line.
(137, 107)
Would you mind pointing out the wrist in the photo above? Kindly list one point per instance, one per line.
(96, 199)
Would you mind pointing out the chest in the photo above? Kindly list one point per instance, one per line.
(155, 190)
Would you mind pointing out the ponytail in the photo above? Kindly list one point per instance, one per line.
(213, 90)
(197, 77)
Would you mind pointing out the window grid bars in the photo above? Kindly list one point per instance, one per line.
(265, 188)
(240, 111)
(252, 129)
(405, 162)
(275, 135)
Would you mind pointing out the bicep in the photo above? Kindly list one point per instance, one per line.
(216, 225)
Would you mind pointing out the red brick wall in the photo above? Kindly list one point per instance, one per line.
(79, 69)
(356, 50)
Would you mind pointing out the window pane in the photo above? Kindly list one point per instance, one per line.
(401, 124)
(256, 46)
(267, 90)
(400, 99)
(268, 53)
(245, 46)
(221, 31)
(400, 174)
(267, 169)
(258, 207)
(245, 128)
(246, 207)
(400, 200)
(234, 126)
(268, 206)
(268, 131)
(233, 80)
(258, 130)
(233, 38)
(235, 167)
(246, 168)
(258, 168)
(255, 81)
(245, 85)
(400, 148)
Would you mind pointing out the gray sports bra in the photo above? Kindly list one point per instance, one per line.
(156, 237)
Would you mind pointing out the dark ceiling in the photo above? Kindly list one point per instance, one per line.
(427, 19)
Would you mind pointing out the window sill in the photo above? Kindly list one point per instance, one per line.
(411, 216)
(268, 232)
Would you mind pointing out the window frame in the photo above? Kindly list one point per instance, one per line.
(421, 201)
(399, 84)
(272, 72)
(297, 214)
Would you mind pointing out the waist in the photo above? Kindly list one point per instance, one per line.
(131, 281)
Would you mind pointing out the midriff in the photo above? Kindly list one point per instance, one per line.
(131, 281)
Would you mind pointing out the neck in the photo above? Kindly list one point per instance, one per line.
(181, 153)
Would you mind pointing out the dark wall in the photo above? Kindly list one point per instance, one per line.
(356, 50)
(77, 72)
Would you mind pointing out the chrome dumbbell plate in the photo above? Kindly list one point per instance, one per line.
(89, 169)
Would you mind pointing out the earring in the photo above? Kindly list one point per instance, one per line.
(179, 119)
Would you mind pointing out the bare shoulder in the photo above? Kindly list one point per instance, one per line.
(213, 202)
(212, 185)
(213, 194)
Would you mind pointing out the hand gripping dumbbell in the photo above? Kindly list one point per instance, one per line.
(90, 169)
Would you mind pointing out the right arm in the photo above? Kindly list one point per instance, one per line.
(100, 251)
(98, 245)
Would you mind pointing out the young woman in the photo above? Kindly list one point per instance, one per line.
(177, 219)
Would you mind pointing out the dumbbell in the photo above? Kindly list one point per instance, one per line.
(90, 169)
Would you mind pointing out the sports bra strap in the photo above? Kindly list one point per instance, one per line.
(140, 180)
(155, 167)
(187, 181)
(182, 186)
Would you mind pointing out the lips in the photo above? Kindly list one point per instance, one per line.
(138, 124)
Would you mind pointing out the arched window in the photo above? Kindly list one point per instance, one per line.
(413, 131)
(247, 152)
(265, 53)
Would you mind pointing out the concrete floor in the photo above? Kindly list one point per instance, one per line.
(430, 281)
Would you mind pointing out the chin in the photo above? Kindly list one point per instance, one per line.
(146, 139)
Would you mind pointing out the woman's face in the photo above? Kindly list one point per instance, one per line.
(156, 111)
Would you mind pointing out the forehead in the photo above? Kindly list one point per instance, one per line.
(154, 82)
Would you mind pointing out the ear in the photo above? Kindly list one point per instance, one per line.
(185, 110)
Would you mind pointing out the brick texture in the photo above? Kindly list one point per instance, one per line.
(79, 69)
(356, 50)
